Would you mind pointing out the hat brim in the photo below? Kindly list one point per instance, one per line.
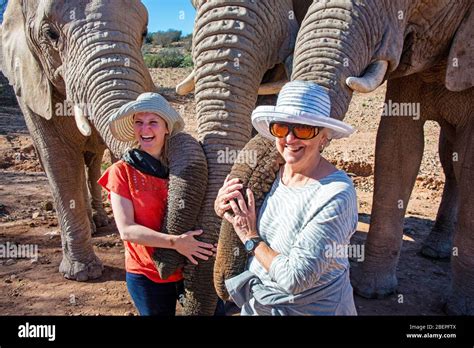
(263, 115)
(121, 122)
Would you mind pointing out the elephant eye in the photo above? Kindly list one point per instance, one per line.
(51, 33)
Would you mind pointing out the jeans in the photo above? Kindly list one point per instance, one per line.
(152, 298)
(226, 308)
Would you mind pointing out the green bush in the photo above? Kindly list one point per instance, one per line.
(168, 58)
(187, 61)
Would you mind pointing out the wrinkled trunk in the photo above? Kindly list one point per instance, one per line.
(336, 40)
(259, 176)
(105, 75)
(234, 45)
(188, 178)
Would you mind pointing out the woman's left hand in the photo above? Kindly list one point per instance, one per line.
(244, 219)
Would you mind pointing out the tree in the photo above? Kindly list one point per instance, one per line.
(165, 38)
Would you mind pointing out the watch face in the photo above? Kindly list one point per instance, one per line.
(249, 245)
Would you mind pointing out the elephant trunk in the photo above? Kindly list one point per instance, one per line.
(259, 176)
(232, 51)
(102, 74)
(338, 41)
(224, 129)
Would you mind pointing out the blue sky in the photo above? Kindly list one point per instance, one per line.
(2, 8)
(170, 14)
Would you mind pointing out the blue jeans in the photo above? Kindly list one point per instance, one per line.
(152, 298)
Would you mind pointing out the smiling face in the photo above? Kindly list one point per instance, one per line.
(150, 130)
(302, 154)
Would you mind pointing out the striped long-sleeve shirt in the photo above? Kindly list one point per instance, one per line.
(302, 224)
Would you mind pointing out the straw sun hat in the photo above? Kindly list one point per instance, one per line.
(300, 102)
(121, 122)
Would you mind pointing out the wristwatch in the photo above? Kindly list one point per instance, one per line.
(251, 244)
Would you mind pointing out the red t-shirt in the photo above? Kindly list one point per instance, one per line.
(149, 196)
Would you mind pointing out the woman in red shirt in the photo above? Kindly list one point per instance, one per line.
(138, 191)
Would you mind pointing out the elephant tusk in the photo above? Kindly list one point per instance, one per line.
(371, 79)
(270, 88)
(82, 122)
(187, 85)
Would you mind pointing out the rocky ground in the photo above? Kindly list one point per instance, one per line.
(27, 216)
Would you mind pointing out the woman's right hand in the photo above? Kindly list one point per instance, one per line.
(230, 190)
(190, 247)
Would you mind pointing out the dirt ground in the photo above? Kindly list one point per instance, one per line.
(35, 287)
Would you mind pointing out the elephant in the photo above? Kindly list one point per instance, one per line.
(422, 50)
(72, 64)
(240, 50)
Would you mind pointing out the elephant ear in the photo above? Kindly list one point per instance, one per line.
(460, 70)
(21, 67)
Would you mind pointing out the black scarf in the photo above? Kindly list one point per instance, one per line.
(146, 163)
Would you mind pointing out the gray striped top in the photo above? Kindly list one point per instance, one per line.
(301, 224)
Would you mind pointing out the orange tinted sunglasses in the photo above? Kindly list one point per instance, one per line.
(300, 131)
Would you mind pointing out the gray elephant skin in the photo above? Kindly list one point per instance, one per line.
(237, 46)
(72, 64)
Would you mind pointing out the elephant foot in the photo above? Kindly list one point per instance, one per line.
(459, 305)
(81, 271)
(371, 284)
(437, 245)
(100, 218)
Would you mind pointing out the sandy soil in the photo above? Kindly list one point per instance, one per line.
(30, 287)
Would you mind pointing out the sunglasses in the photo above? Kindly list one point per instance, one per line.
(300, 131)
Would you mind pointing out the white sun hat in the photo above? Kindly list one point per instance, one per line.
(121, 122)
(302, 102)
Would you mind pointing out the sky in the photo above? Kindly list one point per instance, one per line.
(170, 14)
(3, 4)
(166, 14)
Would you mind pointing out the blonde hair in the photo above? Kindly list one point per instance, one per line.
(164, 150)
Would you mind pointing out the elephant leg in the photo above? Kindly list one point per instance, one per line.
(398, 153)
(64, 167)
(461, 297)
(438, 244)
(93, 164)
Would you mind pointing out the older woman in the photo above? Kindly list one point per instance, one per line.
(311, 207)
